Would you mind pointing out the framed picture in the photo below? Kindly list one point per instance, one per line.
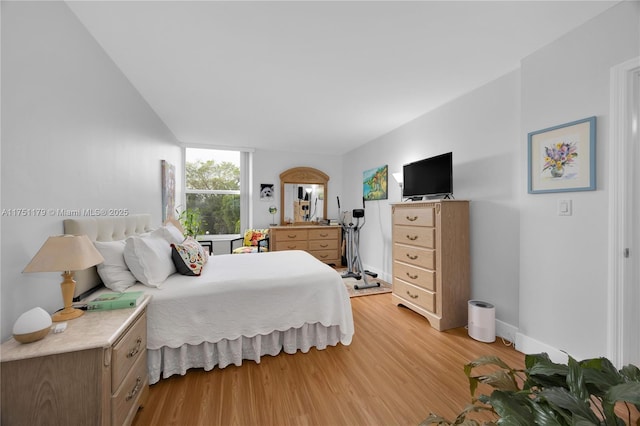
(563, 158)
(374, 183)
(168, 190)
(266, 191)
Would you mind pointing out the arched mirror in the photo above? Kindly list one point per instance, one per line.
(303, 194)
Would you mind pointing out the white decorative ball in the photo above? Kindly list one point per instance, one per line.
(32, 325)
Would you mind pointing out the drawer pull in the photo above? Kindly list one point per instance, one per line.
(135, 389)
(412, 237)
(324, 256)
(292, 236)
(324, 245)
(133, 352)
(413, 296)
(414, 257)
(413, 277)
(291, 247)
(324, 235)
(412, 218)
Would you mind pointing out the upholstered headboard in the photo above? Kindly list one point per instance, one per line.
(103, 229)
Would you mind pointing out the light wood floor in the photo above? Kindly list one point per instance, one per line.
(395, 372)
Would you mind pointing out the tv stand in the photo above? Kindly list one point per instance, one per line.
(434, 197)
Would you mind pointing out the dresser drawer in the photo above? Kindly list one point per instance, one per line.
(414, 235)
(414, 216)
(323, 244)
(128, 350)
(418, 256)
(324, 234)
(291, 235)
(291, 245)
(421, 297)
(417, 276)
(126, 397)
(327, 256)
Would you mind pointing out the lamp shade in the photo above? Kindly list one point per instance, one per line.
(398, 177)
(65, 253)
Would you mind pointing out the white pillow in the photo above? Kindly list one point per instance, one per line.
(170, 233)
(113, 271)
(149, 259)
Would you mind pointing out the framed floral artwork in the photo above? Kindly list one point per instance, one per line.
(563, 158)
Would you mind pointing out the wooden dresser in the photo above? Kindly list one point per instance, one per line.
(321, 241)
(431, 260)
(93, 373)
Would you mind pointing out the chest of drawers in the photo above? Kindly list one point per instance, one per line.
(431, 260)
(93, 373)
(323, 242)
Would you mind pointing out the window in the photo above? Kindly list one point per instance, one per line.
(213, 186)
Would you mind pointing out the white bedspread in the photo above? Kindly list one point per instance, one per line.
(247, 295)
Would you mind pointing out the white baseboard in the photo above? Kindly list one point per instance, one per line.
(526, 344)
(506, 331)
(529, 345)
(523, 343)
(384, 276)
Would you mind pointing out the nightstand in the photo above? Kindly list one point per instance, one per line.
(93, 373)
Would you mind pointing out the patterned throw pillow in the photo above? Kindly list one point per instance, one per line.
(188, 257)
(252, 236)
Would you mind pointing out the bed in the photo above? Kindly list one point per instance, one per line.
(241, 307)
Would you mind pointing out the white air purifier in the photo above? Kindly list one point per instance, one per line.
(482, 321)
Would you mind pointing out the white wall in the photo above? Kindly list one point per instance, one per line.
(481, 129)
(563, 263)
(547, 275)
(75, 134)
(267, 166)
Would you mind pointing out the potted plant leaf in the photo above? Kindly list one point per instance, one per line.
(581, 393)
(191, 221)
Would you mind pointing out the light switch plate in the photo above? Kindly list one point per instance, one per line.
(565, 208)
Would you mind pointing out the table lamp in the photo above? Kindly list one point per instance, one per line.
(398, 176)
(66, 254)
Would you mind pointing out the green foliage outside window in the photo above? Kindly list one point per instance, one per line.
(220, 212)
(210, 175)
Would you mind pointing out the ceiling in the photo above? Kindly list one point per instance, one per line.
(316, 76)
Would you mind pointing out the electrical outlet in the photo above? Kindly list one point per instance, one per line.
(565, 208)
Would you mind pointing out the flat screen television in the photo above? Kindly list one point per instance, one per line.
(429, 177)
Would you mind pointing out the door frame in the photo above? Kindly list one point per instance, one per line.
(623, 340)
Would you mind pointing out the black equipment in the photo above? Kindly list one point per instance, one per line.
(352, 240)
